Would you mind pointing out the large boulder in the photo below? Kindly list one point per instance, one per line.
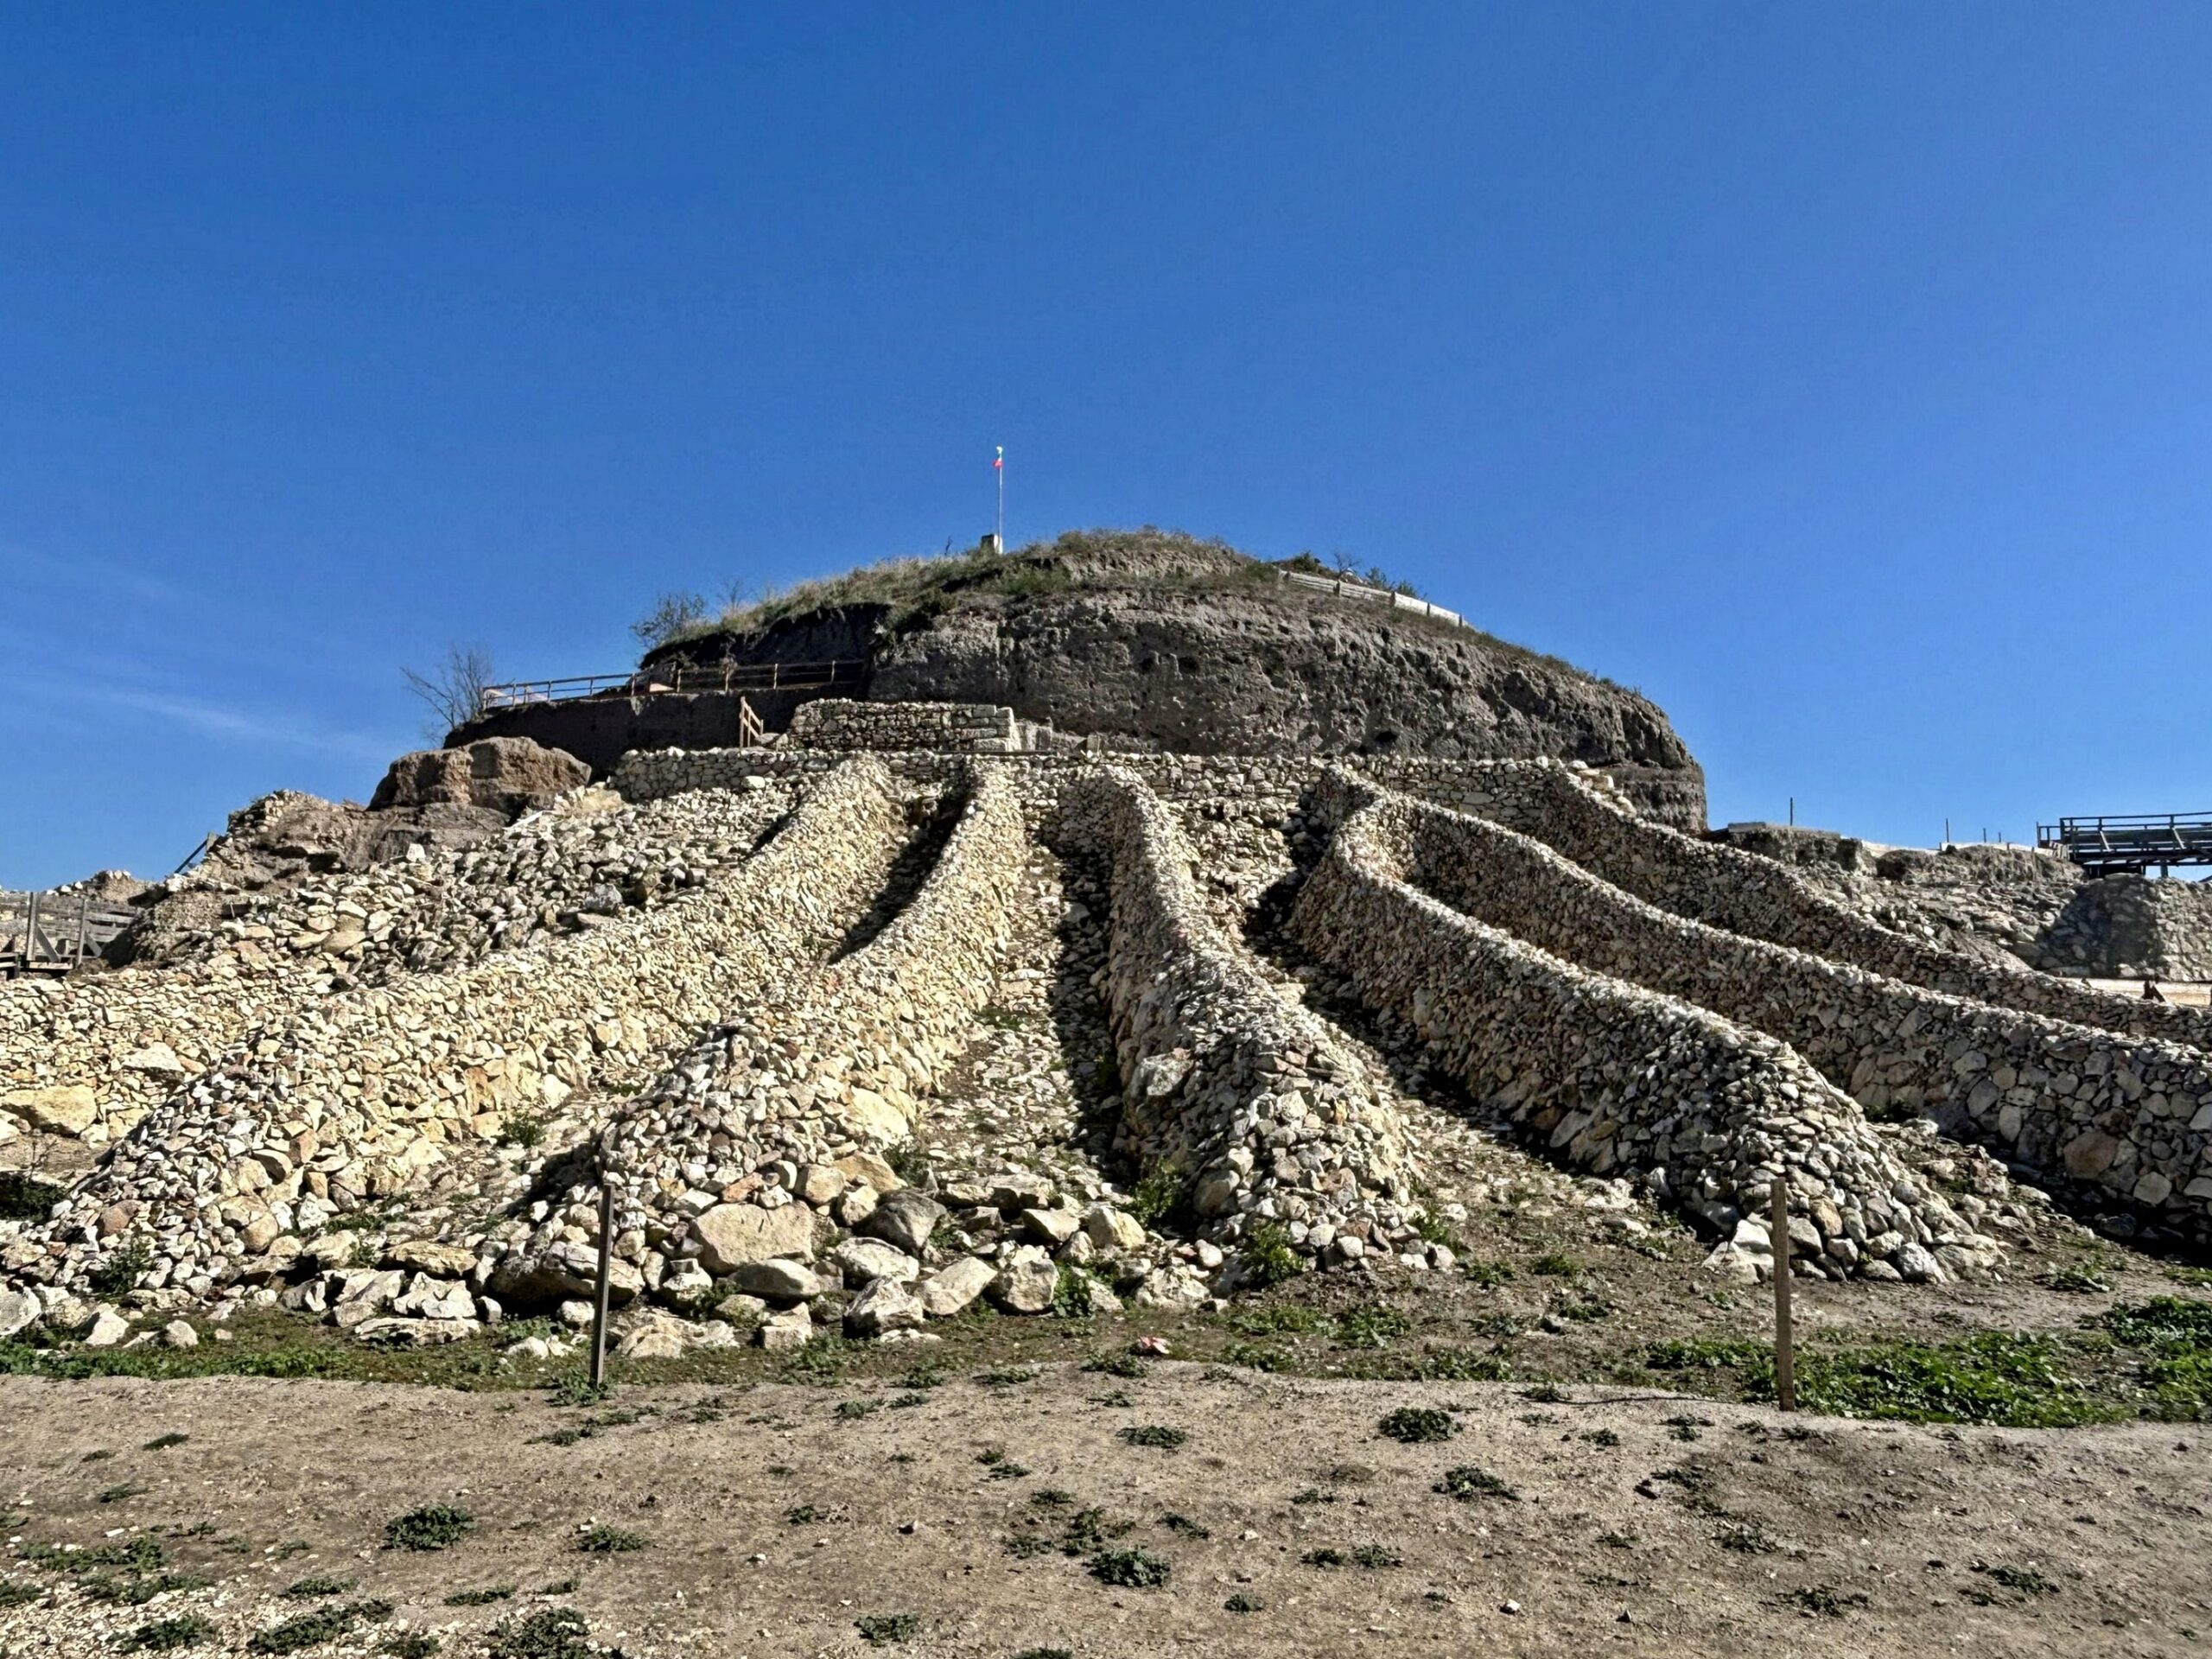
(905, 1219)
(506, 774)
(731, 1234)
(68, 1108)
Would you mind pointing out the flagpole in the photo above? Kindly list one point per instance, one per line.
(999, 535)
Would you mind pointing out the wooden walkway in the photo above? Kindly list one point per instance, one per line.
(849, 672)
(52, 932)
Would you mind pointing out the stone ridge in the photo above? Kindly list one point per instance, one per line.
(2069, 1102)
(815, 1068)
(354, 1097)
(1248, 1096)
(114, 1045)
(1746, 893)
(1619, 1079)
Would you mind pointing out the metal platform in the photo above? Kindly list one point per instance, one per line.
(2138, 842)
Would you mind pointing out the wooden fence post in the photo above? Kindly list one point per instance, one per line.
(602, 1288)
(1785, 1368)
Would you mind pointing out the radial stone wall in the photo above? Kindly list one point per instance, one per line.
(1246, 1094)
(1619, 1079)
(2080, 1106)
(1746, 893)
(353, 1097)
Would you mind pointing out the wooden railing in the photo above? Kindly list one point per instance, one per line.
(52, 932)
(712, 676)
(1360, 590)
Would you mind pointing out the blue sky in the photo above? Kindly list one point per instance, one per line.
(1837, 375)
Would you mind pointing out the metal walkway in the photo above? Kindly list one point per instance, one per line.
(2110, 845)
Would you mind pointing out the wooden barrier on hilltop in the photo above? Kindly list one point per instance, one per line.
(52, 932)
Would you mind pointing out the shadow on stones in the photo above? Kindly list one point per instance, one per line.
(929, 825)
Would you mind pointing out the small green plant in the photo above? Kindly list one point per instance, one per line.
(1255, 1356)
(1155, 1434)
(544, 1633)
(576, 1388)
(880, 1629)
(162, 1442)
(117, 1494)
(167, 1635)
(434, 1526)
(851, 1411)
(1129, 1569)
(324, 1624)
(1545, 1394)
(1161, 1198)
(15, 1594)
(1183, 1526)
(1006, 1377)
(1416, 1424)
(1556, 1264)
(1267, 1257)
(1373, 1556)
(928, 1375)
(603, 1540)
(1489, 1276)
(316, 1589)
(1071, 1293)
(805, 1515)
(24, 1197)
(1372, 1326)
(1467, 1482)
(2024, 1580)
(1117, 1364)
(410, 1644)
(1605, 1437)
(117, 1273)
(1325, 1556)
(1243, 1601)
(523, 1130)
(2078, 1281)
(483, 1597)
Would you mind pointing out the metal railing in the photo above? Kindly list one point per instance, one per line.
(651, 682)
(2132, 841)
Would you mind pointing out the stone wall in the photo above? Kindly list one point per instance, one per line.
(2076, 1105)
(947, 727)
(1268, 1116)
(817, 1066)
(95, 1053)
(1618, 1079)
(1754, 896)
(355, 1095)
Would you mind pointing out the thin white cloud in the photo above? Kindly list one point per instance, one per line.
(88, 574)
(243, 725)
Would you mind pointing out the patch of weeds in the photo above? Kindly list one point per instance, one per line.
(880, 1629)
(316, 1589)
(117, 1273)
(1276, 1321)
(1415, 1425)
(1372, 1326)
(1443, 1363)
(1071, 1293)
(1686, 1428)
(1120, 1364)
(140, 1554)
(1821, 1601)
(2007, 1380)
(1467, 1482)
(1155, 1434)
(849, 1411)
(128, 1489)
(1556, 1264)
(1052, 1497)
(1313, 1495)
(1706, 1354)
(1488, 1275)
(576, 1388)
(1161, 1199)
(1006, 1377)
(2169, 1323)
(1375, 1556)
(998, 1019)
(1089, 1529)
(565, 1587)
(324, 1624)
(24, 1197)
(483, 1597)
(1024, 1546)
(1617, 1540)
(603, 1540)
(1545, 1394)
(1605, 1437)
(1744, 1538)
(1009, 1471)
(907, 1402)
(1244, 1602)
(928, 1375)
(162, 1442)
(137, 1591)
(1130, 1569)
(410, 1644)
(1266, 1256)
(805, 1515)
(292, 1547)
(523, 1130)
(543, 1633)
(15, 1593)
(1113, 1400)
(2078, 1281)
(101, 1455)
(434, 1526)
(567, 1436)
(2026, 1580)
(1045, 1653)
(1183, 1526)
(2198, 1278)
(1581, 1310)
(1255, 1356)
(1326, 1555)
(167, 1635)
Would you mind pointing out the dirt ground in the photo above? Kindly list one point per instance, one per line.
(776, 1518)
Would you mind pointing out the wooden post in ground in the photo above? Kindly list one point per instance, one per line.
(602, 1289)
(1785, 1370)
